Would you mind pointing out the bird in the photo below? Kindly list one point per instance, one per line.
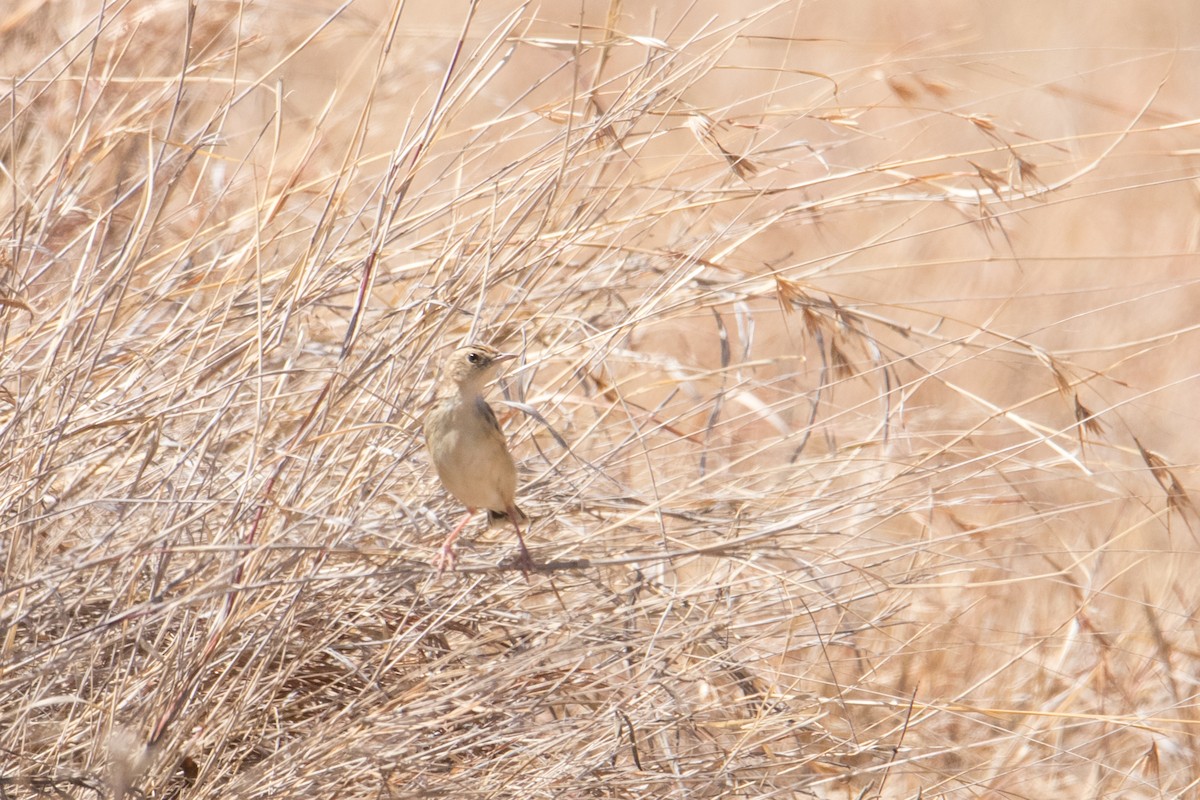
(469, 449)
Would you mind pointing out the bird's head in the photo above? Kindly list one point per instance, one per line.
(470, 367)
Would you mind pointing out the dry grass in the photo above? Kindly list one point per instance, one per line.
(856, 409)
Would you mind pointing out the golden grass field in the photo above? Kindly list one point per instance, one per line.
(856, 407)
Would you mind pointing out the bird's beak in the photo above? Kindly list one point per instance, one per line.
(503, 357)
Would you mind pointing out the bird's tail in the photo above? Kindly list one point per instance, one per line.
(499, 516)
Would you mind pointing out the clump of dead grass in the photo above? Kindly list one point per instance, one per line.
(822, 517)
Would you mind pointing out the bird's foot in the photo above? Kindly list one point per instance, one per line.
(446, 558)
(522, 561)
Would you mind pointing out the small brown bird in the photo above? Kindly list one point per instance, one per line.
(468, 448)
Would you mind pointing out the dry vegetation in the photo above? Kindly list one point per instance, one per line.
(856, 407)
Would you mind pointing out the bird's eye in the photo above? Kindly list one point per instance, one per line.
(473, 358)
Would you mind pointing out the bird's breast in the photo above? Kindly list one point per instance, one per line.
(470, 453)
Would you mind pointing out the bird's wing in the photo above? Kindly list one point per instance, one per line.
(489, 417)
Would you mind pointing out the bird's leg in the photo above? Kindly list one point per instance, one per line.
(446, 557)
(524, 560)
